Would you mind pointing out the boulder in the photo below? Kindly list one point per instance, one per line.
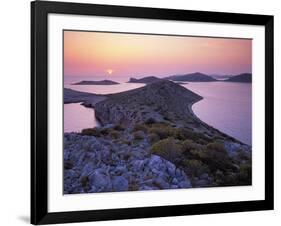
(100, 181)
(120, 183)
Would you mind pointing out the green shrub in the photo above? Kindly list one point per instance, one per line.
(105, 131)
(126, 141)
(195, 167)
(200, 153)
(219, 177)
(150, 121)
(168, 148)
(114, 134)
(183, 134)
(141, 127)
(243, 156)
(216, 150)
(214, 156)
(162, 130)
(153, 138)
(138, 135)
(189, 145)
(119, 127)
(217, 146)
(201, 141)
(91, 132)
(245, 174)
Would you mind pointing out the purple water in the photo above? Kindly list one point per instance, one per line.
(226, 106)
(78, 117)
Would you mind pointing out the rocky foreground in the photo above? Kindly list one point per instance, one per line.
(98, 165)
(150, 139)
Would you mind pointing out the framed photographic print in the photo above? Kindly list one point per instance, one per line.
(145, 112)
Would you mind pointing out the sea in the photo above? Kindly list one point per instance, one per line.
(227, 106)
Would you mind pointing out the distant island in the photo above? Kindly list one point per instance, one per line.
(145, 80)
(245, 77)
(193, 77)
(102, 82)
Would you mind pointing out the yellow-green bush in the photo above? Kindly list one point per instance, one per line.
(245, 172)
(91, 132)
(189, 145)
(138, 135)
(119, 127)
(183, 134)
(150, 121)
(218, 146)
(141, 127)
(168, 148)
(153, 138)
(162, 130)
(114, 134)
(195, 167)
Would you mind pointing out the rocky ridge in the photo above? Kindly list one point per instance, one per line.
(160, 101)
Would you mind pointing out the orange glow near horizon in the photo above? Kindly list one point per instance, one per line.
(109, 71)
(133, 55)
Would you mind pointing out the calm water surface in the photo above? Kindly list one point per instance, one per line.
(226, 106)
(78, 117)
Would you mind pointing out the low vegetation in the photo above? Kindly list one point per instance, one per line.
(169, 149)
(91, 132)
(199, 155)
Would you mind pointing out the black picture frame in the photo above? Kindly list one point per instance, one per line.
(39, 112)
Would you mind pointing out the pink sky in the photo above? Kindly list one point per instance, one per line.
(132, 55)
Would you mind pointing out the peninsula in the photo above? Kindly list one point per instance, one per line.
(73, 96)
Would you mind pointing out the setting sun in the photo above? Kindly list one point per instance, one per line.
(109, 71)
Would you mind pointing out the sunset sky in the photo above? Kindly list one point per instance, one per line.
(119, 55)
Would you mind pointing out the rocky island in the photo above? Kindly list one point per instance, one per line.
(193, 77)
(149, 140)
(145, 80)
(245, 77)
(102, 82)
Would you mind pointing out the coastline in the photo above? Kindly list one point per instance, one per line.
(211, 127)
